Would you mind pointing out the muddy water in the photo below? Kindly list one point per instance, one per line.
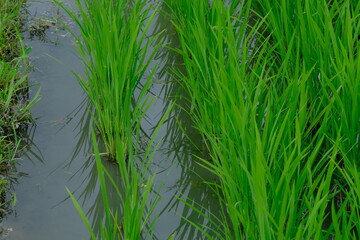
(43, 210)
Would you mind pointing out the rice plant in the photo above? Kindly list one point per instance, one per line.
(116, 50)
(268, 84)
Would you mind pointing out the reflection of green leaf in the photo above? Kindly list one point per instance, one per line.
(172, 236)
(82, 214)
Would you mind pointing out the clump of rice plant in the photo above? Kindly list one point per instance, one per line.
(116, 51)
(274, 88)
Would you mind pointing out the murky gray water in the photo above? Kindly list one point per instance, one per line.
(43, 210)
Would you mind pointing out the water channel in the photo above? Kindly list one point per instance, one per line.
(44, 210)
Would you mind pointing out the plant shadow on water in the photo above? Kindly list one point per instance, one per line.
(182, 146)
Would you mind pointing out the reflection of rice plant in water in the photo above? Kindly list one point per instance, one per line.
(120, 183)
(129, 218)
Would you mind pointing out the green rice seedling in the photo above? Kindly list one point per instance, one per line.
(194, 25)
(327, 37)
(327, 34)
(116, 51)
(265, 90)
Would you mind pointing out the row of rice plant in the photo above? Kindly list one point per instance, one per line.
(274, 89)
(14, 102)
(116, 49)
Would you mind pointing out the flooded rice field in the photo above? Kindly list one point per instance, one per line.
(59, 155)
(204, 119)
